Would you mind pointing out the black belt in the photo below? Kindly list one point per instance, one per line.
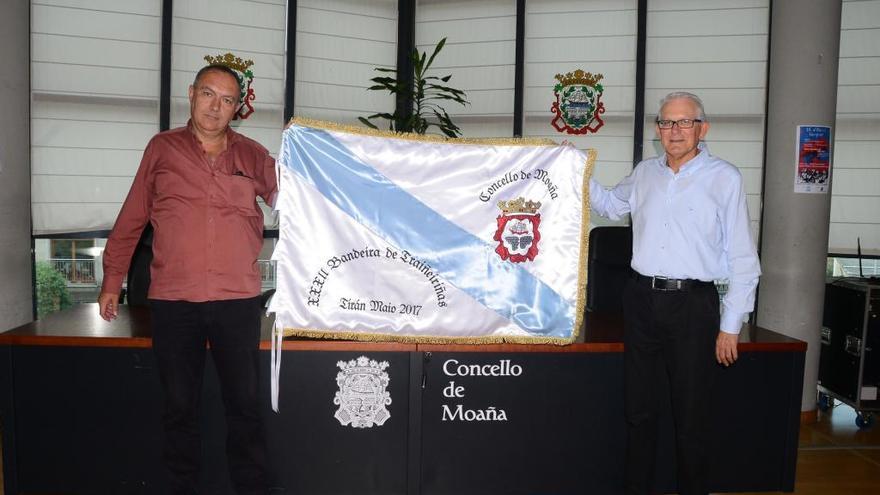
(667, 284)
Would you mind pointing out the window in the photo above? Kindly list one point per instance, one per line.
(716, 49)
(338, 43)
(94, 106)
(75, 259)
(855, 180)
(480, 53)
(598, 37)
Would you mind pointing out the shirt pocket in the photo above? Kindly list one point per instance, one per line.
(704, 220)
(238, 192)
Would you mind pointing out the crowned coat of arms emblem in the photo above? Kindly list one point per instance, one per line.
(242, 69)
(517, 232)
(362, 394)
(577, 108)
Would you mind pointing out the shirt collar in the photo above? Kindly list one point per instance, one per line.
(691, 165)
(232, 137)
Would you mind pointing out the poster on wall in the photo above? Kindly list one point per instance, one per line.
(813, 174)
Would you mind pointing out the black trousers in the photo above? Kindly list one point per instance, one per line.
(180, 332)
(669, 333)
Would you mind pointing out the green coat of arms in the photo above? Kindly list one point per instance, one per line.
(577, 107)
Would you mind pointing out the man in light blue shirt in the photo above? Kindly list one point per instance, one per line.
(690, 228)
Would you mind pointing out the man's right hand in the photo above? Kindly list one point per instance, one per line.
(108, 305)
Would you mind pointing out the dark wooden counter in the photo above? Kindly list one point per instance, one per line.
(80, 403)
(81, 326)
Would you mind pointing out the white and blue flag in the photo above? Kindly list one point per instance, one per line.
(418, 239)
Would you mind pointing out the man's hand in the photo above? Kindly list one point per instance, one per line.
(108, 306)
(725, 348)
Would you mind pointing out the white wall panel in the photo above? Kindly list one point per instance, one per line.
(861, 70)
(862, 100)
(595, 36)
(82, 189)
(93, 135)
(718, 50)
(84, 161)
(74, 217)
(259, 14)
(479, 54)
(698, 21)
(145, 7)
(94, 81)
(222, 37)
(74, 50)
(95, 88)
(464, 29)
(585, 24)
(855, 180)
(705, 5)
(859, 42)
(692, 49)
(742, 154)
(67, 107)
(566, 50)
(672, 76)
(370, 53)
(860, 15)
(856, 154)
(339, 43)
(99, 24)
(856, 209)
(348, 25)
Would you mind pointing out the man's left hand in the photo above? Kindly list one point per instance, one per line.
(725, 348)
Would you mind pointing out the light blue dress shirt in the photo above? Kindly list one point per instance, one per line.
(690, 225)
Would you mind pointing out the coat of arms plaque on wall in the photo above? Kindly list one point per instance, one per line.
(577, 108)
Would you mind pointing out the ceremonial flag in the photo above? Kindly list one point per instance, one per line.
(421, 239)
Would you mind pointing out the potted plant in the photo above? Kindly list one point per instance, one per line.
(425, 94)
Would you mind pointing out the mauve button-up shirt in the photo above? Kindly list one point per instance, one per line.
(208, 229)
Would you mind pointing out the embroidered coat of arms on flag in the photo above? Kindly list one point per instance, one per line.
(418, 239)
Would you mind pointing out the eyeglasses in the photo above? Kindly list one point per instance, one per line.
(682, 123)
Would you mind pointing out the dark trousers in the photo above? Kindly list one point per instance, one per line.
(669, 333)
(180, 332)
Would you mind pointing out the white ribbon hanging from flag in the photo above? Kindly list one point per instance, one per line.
(420, 239)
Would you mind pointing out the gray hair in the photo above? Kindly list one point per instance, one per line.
(683, 94)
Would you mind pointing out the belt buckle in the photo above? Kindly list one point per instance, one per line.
(665, 286)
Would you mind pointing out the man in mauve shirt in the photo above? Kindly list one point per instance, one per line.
(197, 185)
